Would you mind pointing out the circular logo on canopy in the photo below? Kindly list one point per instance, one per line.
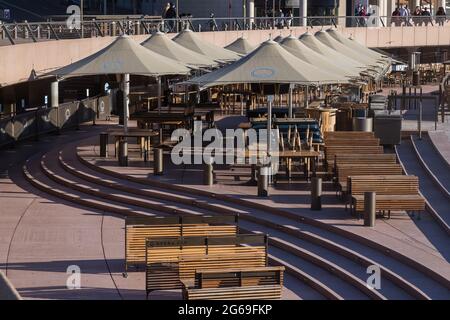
(102, 107)
(67, 114)
(263, 73)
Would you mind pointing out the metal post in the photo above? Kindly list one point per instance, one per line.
(82, 18)
(369, 209)
(208, 174)
(290, 112)
(55, 101)
(123, 153)
(159, 94)
(263, 181)
(420, 114)
(104, 145)
(126, 99)
(269, 123)
(316, 193)
(158, 162)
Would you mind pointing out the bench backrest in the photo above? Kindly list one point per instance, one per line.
(349, 142)
(331, 151)
(138, 229)
(170, 249)
(169, 260)
(345, 170)
(393, 184)
(242, 257)
(348, 134)
(239, 277)
(379, 157)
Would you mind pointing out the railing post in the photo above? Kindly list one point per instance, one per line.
(369, 209)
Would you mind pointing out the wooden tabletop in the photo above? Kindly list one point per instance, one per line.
(245, 125)
(133, 133)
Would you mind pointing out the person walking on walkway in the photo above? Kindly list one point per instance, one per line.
(426, 16)
(396, 17)
(441, 16)
(417, 19)
(289, 17)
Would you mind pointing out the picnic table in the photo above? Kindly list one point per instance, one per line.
(143, 135)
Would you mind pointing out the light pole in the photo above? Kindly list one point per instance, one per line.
(178, 15)
(82, 17)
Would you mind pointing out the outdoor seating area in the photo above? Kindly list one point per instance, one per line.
(359, 165)
(229, 166)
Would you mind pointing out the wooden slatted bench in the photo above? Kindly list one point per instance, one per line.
(349, 142)
(235, 284)
(138, 229)
(395, 192)
(332, 151)
(169, 259)
(343, 171)
(348, 134)
(360, 159)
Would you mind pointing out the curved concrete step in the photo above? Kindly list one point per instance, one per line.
(437, 201)
(357, 264)
(49, 186)
(401, 264)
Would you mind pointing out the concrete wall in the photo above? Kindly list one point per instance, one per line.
(17, 62)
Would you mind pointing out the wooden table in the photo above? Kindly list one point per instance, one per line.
(142, 135)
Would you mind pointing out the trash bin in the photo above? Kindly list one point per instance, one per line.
(377, 102)
(363, 124)
(387, 127)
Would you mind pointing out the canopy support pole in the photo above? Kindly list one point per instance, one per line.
(158, 79)
(55, 99)
(126, 94)
(269, 123)
(290, 111)
(306, 96)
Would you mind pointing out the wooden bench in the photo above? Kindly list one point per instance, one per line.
(332, 151)
(343, 171)
(138, 229)
(395, 192)
(235, 284)
(360, 159)
(349, 142)
(169, 260)
(348, 134)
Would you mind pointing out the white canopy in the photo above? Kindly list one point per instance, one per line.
(330, 54)
(241, 46)
(123, 56)
(301, 51)
(270, 63)
(356, 45)
(188, 39)
(162, 45)
(278, 38)
(356, 55)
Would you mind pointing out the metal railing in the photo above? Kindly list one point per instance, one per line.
(55, 30)
(44, 120)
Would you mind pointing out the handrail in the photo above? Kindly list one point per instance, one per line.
(95, 26)
(7, 290)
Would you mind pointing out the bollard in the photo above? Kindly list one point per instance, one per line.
(316, 193)
(123, 153)
(103, 145)
(158, 162)
(416, 78)
(369, 209)
(263, 181)
(208, 174)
